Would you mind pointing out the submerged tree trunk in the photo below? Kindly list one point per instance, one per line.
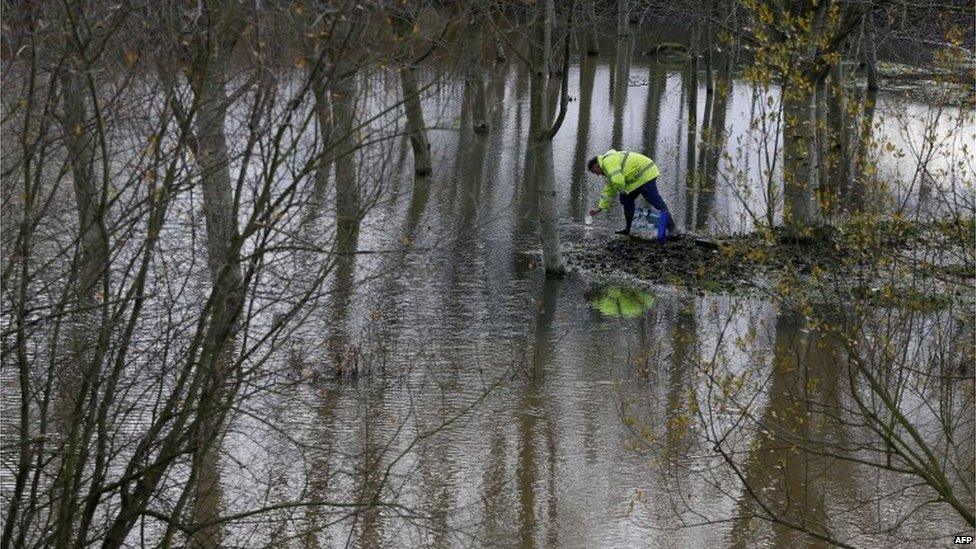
(622, 76)
(348, 210)
(323, 117)
(838, 157)
(863, 169)
(821, 130)
(590, 26)
(578, 190)
(797, 47)
(691, 85)
(465, 139)
(612, 65)
(798, 137)
(93, 236)
(539, 155)
(197, 420)
(715, 145)
(706, 119)
(709, 82)
(90, 270)
(870, 53)
(476, 74)
(623, 19)
(225, 269)
(347, 189)
(657, 81)
(214, 160)
(416, 126)
(862, 175)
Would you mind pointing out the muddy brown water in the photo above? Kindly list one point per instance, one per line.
(497, 407)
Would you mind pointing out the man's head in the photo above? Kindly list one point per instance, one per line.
(593, 166)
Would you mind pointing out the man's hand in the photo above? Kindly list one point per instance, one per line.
(595, 211)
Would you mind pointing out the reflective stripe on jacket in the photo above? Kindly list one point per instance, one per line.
(625, 172)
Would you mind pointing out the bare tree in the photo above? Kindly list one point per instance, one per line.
(139, 313)
(539, 172)
(416, 126)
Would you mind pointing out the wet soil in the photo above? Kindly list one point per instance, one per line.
(678, 263)
(885, 261)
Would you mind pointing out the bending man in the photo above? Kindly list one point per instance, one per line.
(630, 175)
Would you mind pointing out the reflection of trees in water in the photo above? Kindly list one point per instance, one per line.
(182, 310)
(466, 242)
(824, 427)
(495, 495)
(684, 347)
(367, 527)
(784, 475)
(526, 204)
(497, 141)
(470, 167)
(532, 399)
(419, 197)
(324, 470)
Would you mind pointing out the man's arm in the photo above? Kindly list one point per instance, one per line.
(616, 182)
(606, 198)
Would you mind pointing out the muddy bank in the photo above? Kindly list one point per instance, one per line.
(675, 263)
(894, 263)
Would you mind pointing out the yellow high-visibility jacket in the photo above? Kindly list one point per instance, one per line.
(625, 172)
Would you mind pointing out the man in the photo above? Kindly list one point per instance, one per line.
(630, 175)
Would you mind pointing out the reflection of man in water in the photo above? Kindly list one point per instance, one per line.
(630, 175)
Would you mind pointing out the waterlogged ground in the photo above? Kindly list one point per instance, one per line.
(845, 256)
(497, 407)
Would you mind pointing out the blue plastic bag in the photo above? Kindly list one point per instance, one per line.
(653, 221)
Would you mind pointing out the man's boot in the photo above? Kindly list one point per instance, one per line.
(629, 218)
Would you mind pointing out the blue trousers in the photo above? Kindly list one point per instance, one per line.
(649, 192)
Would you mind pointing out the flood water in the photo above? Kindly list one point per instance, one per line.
(497, 407)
